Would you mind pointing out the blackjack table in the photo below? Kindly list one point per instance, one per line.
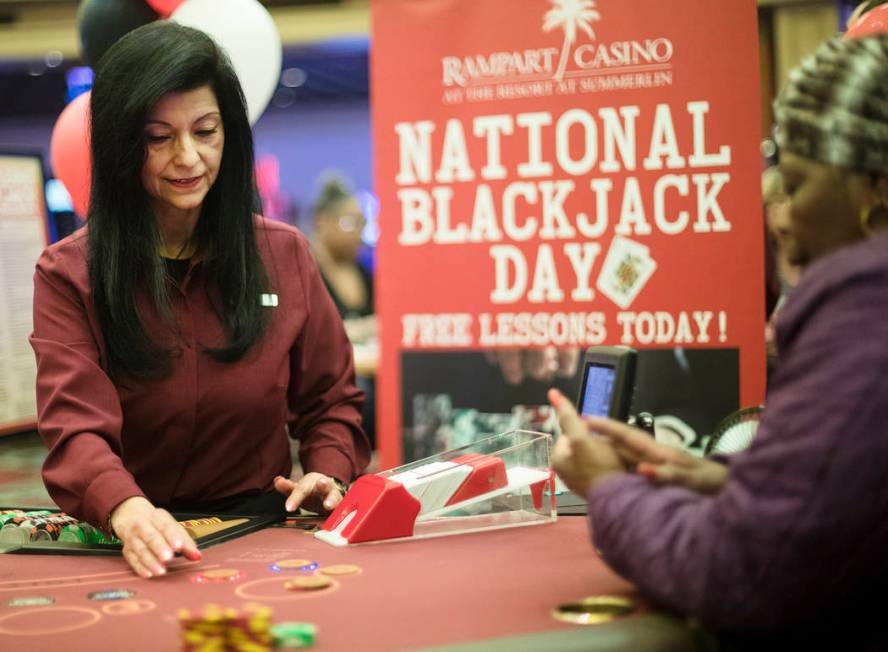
(493, 590)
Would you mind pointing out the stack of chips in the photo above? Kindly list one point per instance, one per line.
(226, 630)
(7, 515)
(19, 526)
(34, 526)
(194, 522)
(85, 533)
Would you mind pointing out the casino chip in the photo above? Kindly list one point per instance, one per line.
(294, 635)
(340, 569)
(115, 594)
(308, 583)
(86, 533)
(33, 601)
(220, 629)
(594, 610)
(292, 563)
(219, 575)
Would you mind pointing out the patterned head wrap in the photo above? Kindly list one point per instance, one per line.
(834, 108)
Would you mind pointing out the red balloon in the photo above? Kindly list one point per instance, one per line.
(69, 151)
(164, 7)
(875, 21)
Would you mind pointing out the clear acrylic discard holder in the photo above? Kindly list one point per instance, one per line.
(499, 482)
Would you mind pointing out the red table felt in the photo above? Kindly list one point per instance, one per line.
(409, 595)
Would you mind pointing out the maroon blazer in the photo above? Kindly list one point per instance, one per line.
(209, 430)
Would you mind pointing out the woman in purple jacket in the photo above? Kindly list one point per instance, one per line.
(787, 540)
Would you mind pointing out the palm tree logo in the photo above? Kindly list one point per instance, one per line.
(570, 15)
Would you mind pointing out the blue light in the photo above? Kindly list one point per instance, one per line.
(370, 208)
(308, 568)
(79, 80)
(57, 197)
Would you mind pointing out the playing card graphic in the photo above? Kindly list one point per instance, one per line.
(626, 269)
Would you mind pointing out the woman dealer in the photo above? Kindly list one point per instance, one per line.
(179, 338)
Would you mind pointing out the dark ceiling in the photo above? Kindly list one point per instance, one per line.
(331, 70)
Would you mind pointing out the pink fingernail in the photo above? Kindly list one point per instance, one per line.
(555, 397)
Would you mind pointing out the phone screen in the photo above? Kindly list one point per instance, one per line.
(597, 390)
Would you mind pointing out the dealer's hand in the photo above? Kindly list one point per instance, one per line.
(578, 458)
(661, 463)
(313, 491)
(150, 536)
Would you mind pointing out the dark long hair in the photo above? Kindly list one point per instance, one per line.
(124, 240)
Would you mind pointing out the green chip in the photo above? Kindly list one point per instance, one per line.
(72, 534)
(36, 601)
(294, 635)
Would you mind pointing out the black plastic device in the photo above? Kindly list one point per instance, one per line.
(608, 382)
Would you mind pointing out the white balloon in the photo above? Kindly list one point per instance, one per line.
(247, 33)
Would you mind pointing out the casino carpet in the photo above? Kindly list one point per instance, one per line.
(21, 456)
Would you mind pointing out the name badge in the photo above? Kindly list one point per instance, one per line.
(270, 300)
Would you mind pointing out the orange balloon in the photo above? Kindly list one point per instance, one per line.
(69, 152)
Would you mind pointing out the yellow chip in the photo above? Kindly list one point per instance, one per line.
(340, 569)
(292, 563)
(594, 610)
(221, 573)
(308, 583)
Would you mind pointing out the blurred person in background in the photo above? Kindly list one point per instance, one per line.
(776, 203)
(781, 274)
(338, 224)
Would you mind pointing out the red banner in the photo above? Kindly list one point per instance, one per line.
(564, 173)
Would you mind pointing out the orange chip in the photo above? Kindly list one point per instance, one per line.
(308, 583)
(292, 563)
(340, 569)
(221, 573)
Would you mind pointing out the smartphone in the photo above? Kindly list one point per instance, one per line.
(608, 382)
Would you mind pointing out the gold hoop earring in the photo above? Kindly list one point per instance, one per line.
(869, 212)
(866, 216)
